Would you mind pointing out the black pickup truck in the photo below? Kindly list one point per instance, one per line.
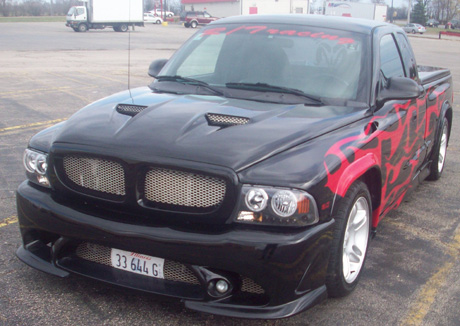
(248, 178)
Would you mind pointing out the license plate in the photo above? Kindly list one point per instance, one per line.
(137, 263)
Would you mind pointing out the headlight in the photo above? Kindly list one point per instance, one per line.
(276, 206)
(36, 164)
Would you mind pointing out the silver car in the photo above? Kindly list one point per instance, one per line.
(414, 28)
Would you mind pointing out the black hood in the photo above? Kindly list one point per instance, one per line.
(175, 126)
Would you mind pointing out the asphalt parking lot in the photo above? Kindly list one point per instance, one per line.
(48, 72)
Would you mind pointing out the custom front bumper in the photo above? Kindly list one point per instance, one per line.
(271, 274)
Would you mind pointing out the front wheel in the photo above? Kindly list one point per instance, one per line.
(193, 24)
(82, 28)
(440, 151)
(350, 241)
(413, 31)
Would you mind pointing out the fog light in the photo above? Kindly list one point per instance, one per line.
(221, 286)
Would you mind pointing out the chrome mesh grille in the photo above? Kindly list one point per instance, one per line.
(226, 120)
(129, 109)
(95, 174)
(248, 285)
(172, 271)
(183, 188)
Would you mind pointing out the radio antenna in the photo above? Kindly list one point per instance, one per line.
(129, 54)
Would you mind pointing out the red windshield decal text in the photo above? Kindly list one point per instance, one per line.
(272, 31)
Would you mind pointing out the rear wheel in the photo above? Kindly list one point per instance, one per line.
(194, 24)
(350, 241)
(413, 31)
(123, 28)
(440, 151)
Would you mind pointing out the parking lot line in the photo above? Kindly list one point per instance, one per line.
(9, 220)
(427, 294)
(17, 93)
(30, 125)
(103, 77)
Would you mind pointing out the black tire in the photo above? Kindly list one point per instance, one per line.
(193, 24)
(413, 31)
(342, 278)
(187, 25)
(440, 151)
(158, 22)
(82, 28)
(123, 28)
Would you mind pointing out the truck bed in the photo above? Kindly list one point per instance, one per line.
(429, 74)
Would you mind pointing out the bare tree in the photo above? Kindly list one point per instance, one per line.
(445, 10)
(5, 7)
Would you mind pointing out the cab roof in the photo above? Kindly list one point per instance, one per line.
(357, 25)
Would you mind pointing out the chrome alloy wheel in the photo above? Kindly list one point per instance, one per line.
(355, 240)
(442, 148)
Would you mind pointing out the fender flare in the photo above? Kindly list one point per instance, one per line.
(352, 173)
(445, 109)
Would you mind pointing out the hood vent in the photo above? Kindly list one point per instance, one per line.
(130, 109)
(223, 120)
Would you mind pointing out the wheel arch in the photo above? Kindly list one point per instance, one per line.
(448, 112)
(373, 180)
(366, 169)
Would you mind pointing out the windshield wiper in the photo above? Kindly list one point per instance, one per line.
(189, 81)
(263, 87)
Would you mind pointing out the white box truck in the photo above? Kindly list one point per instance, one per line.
(99, 14)
(371, 11)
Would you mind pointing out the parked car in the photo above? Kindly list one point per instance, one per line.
(248, 178)
(194, 18)
(151, 18)
(158, 12)
(414, 28)
(455, 23)
(432, 23)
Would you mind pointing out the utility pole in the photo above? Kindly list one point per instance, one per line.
(392, 12)
(408, 11)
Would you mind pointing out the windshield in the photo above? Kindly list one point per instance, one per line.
(71, 11)
(323, 63)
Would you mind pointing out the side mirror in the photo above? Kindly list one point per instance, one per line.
(399, 88)
(156, 66)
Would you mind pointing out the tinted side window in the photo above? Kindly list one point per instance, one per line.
(407, 56)
(390, 61)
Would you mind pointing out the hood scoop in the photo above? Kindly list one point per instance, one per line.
(223, 120)
(130, 109)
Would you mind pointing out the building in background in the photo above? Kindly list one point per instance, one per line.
(373, 11)
(226, 8)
